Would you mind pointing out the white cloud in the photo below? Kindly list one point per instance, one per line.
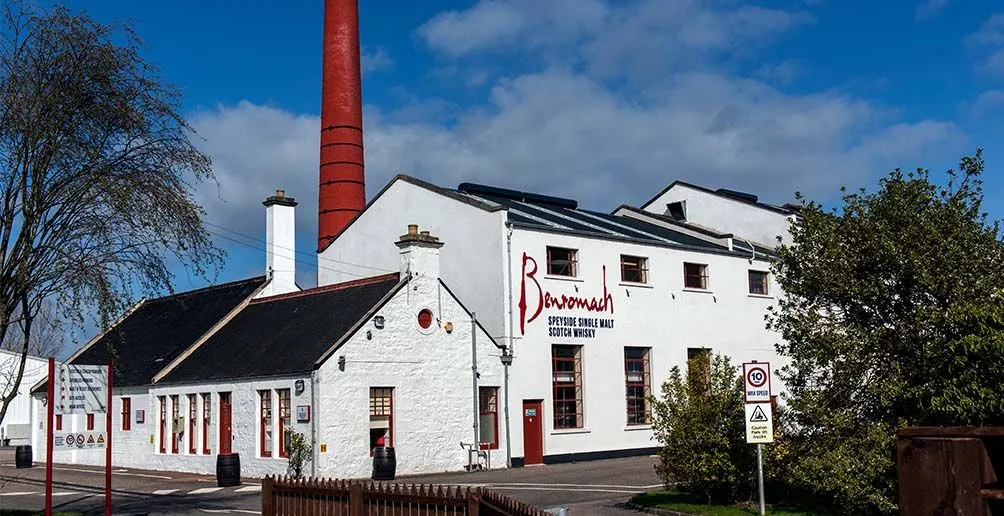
(986, 102)
(929, 8)
(375, 61)
(989, 41)
(559, 127)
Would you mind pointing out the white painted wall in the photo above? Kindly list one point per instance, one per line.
(139, 447)
(430, 371)
(473, 237)
(16, 424)
(662, 315)
(726, 215)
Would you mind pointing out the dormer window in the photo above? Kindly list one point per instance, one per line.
(677, 210)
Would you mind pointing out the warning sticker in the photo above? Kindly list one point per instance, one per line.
(758, 416)
(759, 427)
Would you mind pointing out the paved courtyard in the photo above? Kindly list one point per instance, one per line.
(585, 488)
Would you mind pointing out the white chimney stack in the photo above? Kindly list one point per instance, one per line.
(419, 253)
(280, 244)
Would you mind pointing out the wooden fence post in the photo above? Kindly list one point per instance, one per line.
(355, 499)
(267, 502)
(473, 502)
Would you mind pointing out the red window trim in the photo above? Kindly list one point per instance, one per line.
(59, 421)
(206, 413)
(192, 414)
(645, 384)
(265, 399)
(485, 409)
(284, 401)
(163, 423)
(390, 410)
(576, 385)
(126, 414)
(90, 421)
(174, 417)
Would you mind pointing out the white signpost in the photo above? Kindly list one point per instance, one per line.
(81, 389)
(759, 413)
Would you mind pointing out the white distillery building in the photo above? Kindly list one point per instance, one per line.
(596, 308)
(15, 429)
(232, 369)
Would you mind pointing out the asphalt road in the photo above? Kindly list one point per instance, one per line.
(586, 488)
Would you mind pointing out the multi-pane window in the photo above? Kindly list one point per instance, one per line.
(283, 420)
(207, 406)
(488, 424)
(162, 402)
(90, 421)
(381, 417)
(695, 275)
(126, 414)
(638, 386)
(175, 423)
(562, 261)
(634, 269)
(266, 423)
(192, 415)
(567, 385)
(758, 282)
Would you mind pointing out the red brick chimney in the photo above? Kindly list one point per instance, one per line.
(342, 192)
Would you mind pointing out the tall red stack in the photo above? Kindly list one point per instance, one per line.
(342, 192)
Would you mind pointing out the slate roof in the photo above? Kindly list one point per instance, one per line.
(743, 197)
(556, 214)
(158, 330)
(284, 334)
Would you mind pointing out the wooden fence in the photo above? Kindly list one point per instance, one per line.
(284, 496)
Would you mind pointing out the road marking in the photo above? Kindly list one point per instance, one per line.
(164, 492)
(65, 493)
(248, 488)
(19, 493)
(120, 472)
(205, 490)
(229, 511)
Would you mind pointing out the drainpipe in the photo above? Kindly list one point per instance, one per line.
(474, 375)
(314, 455)
(508, 245)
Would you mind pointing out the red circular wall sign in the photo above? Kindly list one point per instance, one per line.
(756, 377)
(425, 318)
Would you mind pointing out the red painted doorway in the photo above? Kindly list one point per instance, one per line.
(533, 432)
(226, 433)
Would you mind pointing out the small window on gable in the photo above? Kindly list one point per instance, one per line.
(758, 283)
(677, 210)
(695, 275)
(562, 261)
(634, 269)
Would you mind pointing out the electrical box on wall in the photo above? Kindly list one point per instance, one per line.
(303, 413)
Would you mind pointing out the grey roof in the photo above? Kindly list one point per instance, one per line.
(557, 214)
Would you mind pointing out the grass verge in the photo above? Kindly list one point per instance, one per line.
(686, 503)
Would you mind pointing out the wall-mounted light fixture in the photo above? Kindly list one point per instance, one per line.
(369, 335)
(506, 358)
(298, 387)
(378, 322)
(341, 362)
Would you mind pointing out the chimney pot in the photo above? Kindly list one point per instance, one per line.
(424, 233)
(280, 193)
(412, 229)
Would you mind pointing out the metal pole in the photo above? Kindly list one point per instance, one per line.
(474, 375)
(759, 472)
(508, 448)
(108, 443)
(51, 401)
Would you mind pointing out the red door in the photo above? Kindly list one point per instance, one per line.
(533, 433)
(225, 427)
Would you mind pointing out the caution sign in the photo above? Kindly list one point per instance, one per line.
(70, 441)
(759, 423)
(101, 439)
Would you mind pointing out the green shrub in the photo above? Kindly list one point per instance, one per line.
(699, 422)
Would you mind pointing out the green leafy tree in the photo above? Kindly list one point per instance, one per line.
(892, 316)
(699, 424)
(96, 167)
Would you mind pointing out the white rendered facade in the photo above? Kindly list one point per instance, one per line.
(15, 429)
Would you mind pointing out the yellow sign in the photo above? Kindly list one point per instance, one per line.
(90, 439)
(324, 448)
(151, 438)
(101, 438)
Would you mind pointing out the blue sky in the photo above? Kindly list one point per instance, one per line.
(606, 101)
